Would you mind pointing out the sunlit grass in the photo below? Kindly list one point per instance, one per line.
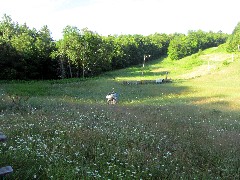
(188, 129)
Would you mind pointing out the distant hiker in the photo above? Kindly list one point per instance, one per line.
(112, 97)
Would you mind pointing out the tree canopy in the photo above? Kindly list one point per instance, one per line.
(233, 41)
(182, 45)
(33, 54)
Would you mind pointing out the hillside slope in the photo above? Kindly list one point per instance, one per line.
(209, 78)
(199, 64)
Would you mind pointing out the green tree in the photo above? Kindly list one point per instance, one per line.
(178, 47)
(10, 64)
(233, 41)
(24, 43)
(75, 48)
(97, 52)
(60, 55)
(25, 52)
(183, 45)
(7, 28)
(44, 47)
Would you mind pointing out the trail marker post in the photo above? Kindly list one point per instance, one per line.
(144, 60)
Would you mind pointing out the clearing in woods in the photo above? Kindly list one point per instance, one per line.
(187, 129)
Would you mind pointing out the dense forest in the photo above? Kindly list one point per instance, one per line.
(33, 54)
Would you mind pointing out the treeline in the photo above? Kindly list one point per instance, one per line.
(32, 54)
(85, 53)
(233, 42)
(184, 45)
(25, 53)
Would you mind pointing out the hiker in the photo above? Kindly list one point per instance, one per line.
(112, 97)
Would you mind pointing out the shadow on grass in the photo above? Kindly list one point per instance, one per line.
(137, 70)
(162, 124)
(136, 73)
(94, 91)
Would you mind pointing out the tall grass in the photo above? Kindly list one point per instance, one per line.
(189, 129)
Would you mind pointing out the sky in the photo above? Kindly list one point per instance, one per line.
(115, 17)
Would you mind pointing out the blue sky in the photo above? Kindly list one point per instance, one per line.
(125, 16)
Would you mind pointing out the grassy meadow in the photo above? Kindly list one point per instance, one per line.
(187, 129)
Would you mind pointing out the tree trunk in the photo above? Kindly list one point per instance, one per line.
(62, 69)
(83, 70)
(70, 69)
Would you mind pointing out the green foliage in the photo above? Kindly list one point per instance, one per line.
(25, 53)
(184, 45)
(226, 63)
(233, 41)
(30, 54)
(178, 48)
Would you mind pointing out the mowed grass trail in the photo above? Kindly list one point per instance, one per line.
(188, 129)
